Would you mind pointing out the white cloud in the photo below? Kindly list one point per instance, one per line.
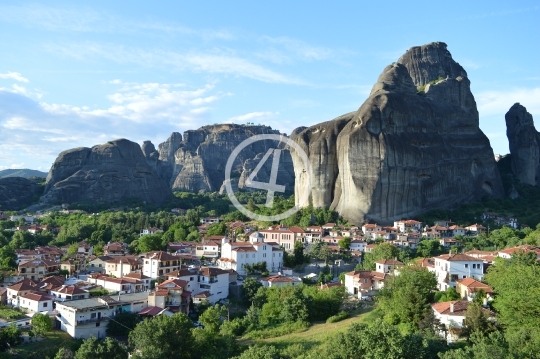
(219, 62)
(499, 102)
(137, 111)
(14, 76)
(301, 49)
(253, 116)
(13, 166)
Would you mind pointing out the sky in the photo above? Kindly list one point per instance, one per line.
(76, 74)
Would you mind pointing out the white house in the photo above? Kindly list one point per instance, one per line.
(151, 230)
(235, 255)
(387, 265)
(69, 292)
(409, 225)
(119, 266)
(84, 318)
(36, 302)
(358, 245)
(124, 284)
(279, 281)
(156, 264)
(449, 268)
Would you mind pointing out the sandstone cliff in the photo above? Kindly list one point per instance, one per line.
(17, 193)
(524, 142)
(197, 162)
(112, 172)
(414, 145)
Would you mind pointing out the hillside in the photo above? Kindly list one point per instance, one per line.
(22, 172)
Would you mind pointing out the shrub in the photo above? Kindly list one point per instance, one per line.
(338, 317)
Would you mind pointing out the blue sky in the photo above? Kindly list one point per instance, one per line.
(81, 73)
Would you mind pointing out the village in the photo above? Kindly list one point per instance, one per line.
(82, 291)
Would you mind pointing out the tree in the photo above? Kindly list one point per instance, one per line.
(64, 353)
(10, 336)
(108, 348)
(73, 248)
(211, 318)
(476, 320)
(260, 352)
(320, 251)
(345, 243)
(217, 229)
(122, 324)
(294, 307)
(149, 243)
(41, 324)
(298, 253)
(163, 337)
(448, 295)
(405, 298)
(382, 251)
(250, 286)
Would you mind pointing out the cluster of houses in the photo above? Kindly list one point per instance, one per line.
(463, 271)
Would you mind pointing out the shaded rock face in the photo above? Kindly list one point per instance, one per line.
(197, 163)
(524, 142)
(112, 172)
(17, 193)
(404, 151)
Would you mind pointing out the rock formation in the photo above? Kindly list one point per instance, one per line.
(112, 172)
(18, 192)
(524, 142)
(197, 163)
(414, 145)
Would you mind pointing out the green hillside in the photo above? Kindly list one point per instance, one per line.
(22, 172)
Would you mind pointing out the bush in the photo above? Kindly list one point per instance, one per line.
(278, 331)
(338, 317)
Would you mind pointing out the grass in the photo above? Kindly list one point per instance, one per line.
(46, 347)
(11, 314)
(317, 333)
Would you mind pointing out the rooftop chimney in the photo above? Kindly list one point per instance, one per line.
(451, 307)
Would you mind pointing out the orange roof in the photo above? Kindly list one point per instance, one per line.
(459, 257)
(459, 307)
(473, 285)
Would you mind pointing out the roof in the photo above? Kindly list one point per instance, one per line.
(205, 294)
(176, 283)
(70, 289)
(136, 275)
(161, 256)
(223, 259)
(459, 257)
(393, 262)
(101, 301)
(280, 279)
(208, 271)
(25, 284)
(151, 311)
(459, 307)
(38, 297)
(474, 285)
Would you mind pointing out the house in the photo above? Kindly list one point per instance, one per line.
(140, 277)
(358, 245)
(51, 282)
(210, 220)
(17, 290)
(370, 247)
(457, 230)
(69, 292)
(369, 229)
(236, 255)
(85, 249)
(283, 235)
(507, 253)
(115, 285)
(387, 265)
(171, 294)
(312, 237)
(279, 281)
(119, 266)
(98, 264)
(468, 287)
(38, 268)
(88, 317)
(215, 281)
(159, 263)
(151, 230)
(115, 249)
(35, 302)
(73, 265)
(409, 225)
(452, 316)
(449, 268)
(449, 242)
(210, 247)
(428, 263)
(475, 229)
(480, 254)
(363, 281)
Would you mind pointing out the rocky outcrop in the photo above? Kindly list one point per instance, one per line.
(17, 193)
(414, 145)
(197, 163)
(149, 151)
(112, 172)
(524, 142)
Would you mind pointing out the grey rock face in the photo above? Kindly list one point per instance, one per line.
(17, 193)
(200, 158)
(111, 172)
(524, 143)
(152, 156)
(403, 153)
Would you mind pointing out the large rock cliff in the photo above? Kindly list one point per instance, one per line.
(18, 192)
(414, 145)
(197, 162)
(112, 172)
(524, 142)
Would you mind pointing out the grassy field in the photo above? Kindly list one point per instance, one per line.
(317, 333)
(46, 347)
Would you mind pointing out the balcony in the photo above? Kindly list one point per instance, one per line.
(92, 320)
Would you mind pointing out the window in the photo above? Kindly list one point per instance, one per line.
(93, 315)
(45, 305)
(98, 324)
(467, 265)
